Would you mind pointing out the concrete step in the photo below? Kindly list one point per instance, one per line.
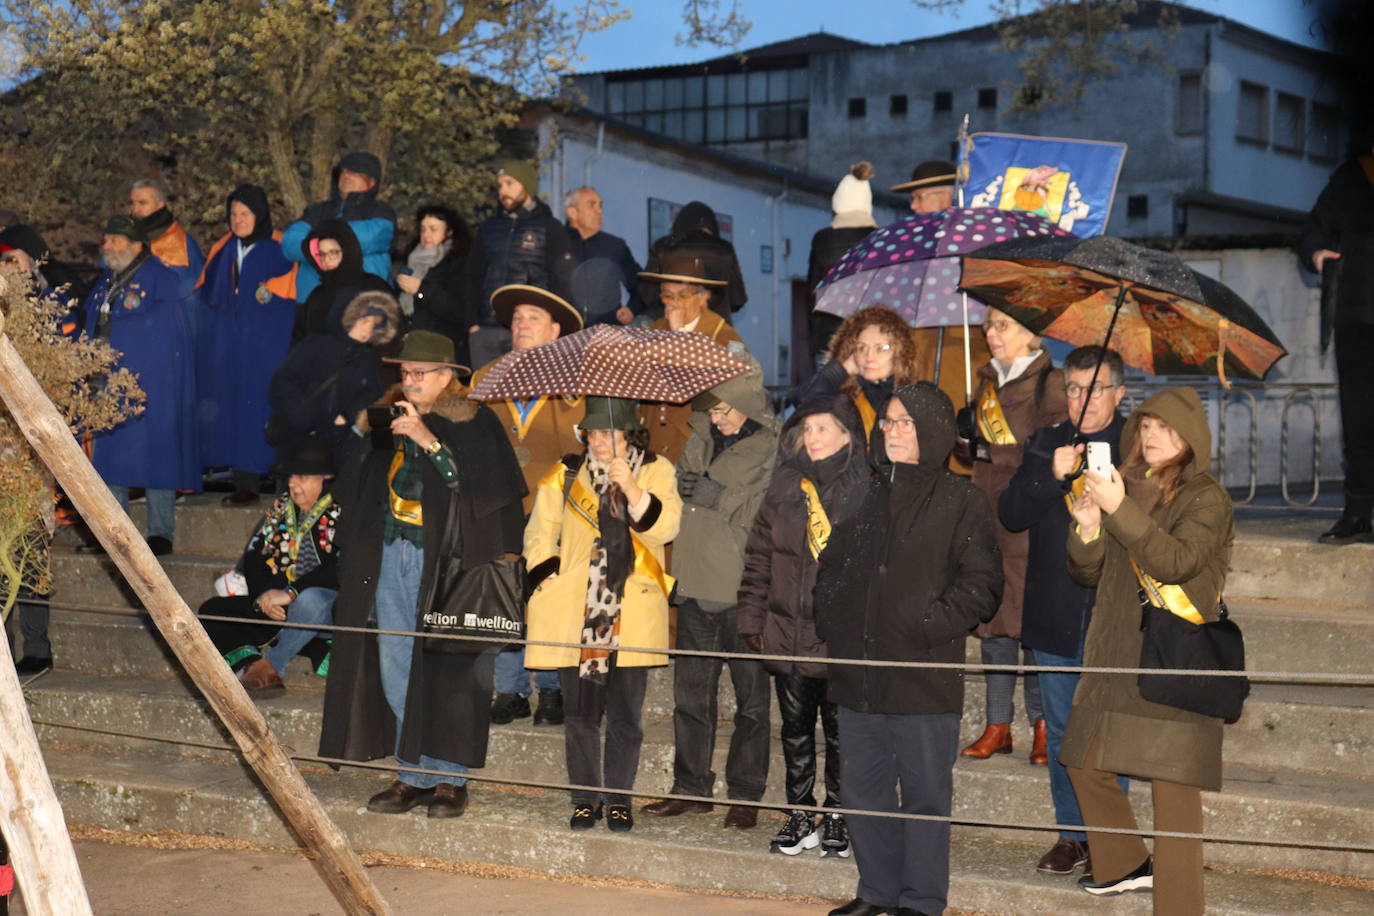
(144, 791)
(1254, 802)
(87, 580)
(1280, 558)
(204, 525)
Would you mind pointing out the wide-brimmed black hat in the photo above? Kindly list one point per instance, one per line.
(683, 268)
(312, 456)
(427, 347)
(505, 300)
(929, 174)
(125, 225)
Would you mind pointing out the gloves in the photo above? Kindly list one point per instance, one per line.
(706, 492)
(687, 483)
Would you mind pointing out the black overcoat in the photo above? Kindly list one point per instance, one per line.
(449, 701)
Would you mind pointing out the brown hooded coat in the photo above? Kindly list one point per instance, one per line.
(1186, 543)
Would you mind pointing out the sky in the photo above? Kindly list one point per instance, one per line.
(647, 39)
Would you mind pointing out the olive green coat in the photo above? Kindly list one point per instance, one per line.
(1186, 543)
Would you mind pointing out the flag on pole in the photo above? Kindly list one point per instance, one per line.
(1069, 182)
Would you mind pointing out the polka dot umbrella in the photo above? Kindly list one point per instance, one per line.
(614, 362)
(912, 266)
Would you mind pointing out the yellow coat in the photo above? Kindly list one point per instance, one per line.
(559, 606)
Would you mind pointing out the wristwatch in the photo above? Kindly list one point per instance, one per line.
(435, 447)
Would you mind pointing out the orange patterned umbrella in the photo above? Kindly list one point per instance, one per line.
(1160, 315)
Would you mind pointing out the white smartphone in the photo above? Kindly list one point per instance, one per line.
(1100, 458)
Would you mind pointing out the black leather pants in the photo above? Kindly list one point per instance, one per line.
(800, 699)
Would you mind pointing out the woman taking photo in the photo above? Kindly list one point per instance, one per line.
(871, 352)
(594, 543)
(1161, 518)
(1018, 391)
(820, 477)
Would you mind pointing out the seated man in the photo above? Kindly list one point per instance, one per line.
(291, 569)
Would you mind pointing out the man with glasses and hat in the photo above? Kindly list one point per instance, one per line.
(1056, 609)
(136, 305)
(388, 694)
(685, 285)
(541, 431)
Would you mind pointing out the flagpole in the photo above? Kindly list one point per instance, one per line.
(960, 176)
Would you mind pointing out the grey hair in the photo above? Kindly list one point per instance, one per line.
(1087, 357)
(152, 184)
(570, 199)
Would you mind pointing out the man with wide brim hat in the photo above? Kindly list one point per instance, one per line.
(931, 186)
(685, 291)
(541, 431)
(442, 493)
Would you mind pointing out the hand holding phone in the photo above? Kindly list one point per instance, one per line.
(1099, 456)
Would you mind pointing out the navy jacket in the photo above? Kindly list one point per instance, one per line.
(1056, 610)
(613, 248)
(528, 246)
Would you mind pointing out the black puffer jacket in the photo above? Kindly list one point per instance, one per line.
(828, 245)
(525, 246)
(779, 572)
(697, 232)
(909, 575)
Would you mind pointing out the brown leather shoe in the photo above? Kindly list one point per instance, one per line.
(1039, 755)
(672, 807)
(1064, 857)
(742, 816)
(449, 800)
(398, 798)
(261, 676)
(996, 739)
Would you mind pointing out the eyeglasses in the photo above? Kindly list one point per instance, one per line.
(866, 350)
(886, 423)
(719, 412)
(1093, 393)
(681, 297)
(331, 254)
(998, 326)
(418, 375)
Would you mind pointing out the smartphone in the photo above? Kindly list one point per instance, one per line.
(379, 419)
(1100, 458)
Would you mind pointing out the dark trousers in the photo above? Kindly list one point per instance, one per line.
(800, 700)
(620, 701)
(1355, 375)
(902, 863)
(695, 681)
(1178, 887)
(33, 626)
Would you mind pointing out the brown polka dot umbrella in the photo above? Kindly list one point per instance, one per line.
(613, 362)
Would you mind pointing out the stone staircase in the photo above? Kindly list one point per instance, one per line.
(1298, 765)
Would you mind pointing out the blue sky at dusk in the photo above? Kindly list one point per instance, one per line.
(648, 38)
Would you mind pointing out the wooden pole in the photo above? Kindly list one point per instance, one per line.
(52, 439)
(30, 815)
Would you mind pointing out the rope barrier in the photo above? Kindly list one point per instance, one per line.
(336, 762)
(1276, 677)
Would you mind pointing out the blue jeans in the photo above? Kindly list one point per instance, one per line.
(312, 606)
(1056, 696)
(396, 608)
(513, 677)
(162, 516)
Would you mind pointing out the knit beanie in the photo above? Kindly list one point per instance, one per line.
(852, 202)
(523, 172)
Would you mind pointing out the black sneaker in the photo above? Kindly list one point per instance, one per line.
(550, 708)
(834, 837)
(584, 817)
(30, 664)
(1349, 529)
(796, 836)
(1142, 879)
(508, 707)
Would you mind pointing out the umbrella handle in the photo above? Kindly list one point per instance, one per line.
(1111, 326)
(968, 358)
(1222, 325)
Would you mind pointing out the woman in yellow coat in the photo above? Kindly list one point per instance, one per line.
(594, 544)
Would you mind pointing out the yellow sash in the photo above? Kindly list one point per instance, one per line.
(992, 422)
(817, 522)
(1076, 488)
(866, 412)
(1170, 597)
(405, 510)
(584, 504)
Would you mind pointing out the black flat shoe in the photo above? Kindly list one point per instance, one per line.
(1349, 529)
(159, 545)
(859, 907)
(398, 798)
(584, 817)
(619, 818)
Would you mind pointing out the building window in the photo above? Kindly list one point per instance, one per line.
(1189, 114)
(1252, 113)
(944, 100)
(719, 108)
(987, 98)
(896, 106)
(1137, 206)
(858, 108)
(1324, 140)
(1290, 122)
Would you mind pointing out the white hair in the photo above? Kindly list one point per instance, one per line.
(570, 199)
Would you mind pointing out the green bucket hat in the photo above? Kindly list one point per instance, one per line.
(427, 347)
(611, 413)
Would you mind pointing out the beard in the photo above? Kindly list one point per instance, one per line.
(119, 261)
